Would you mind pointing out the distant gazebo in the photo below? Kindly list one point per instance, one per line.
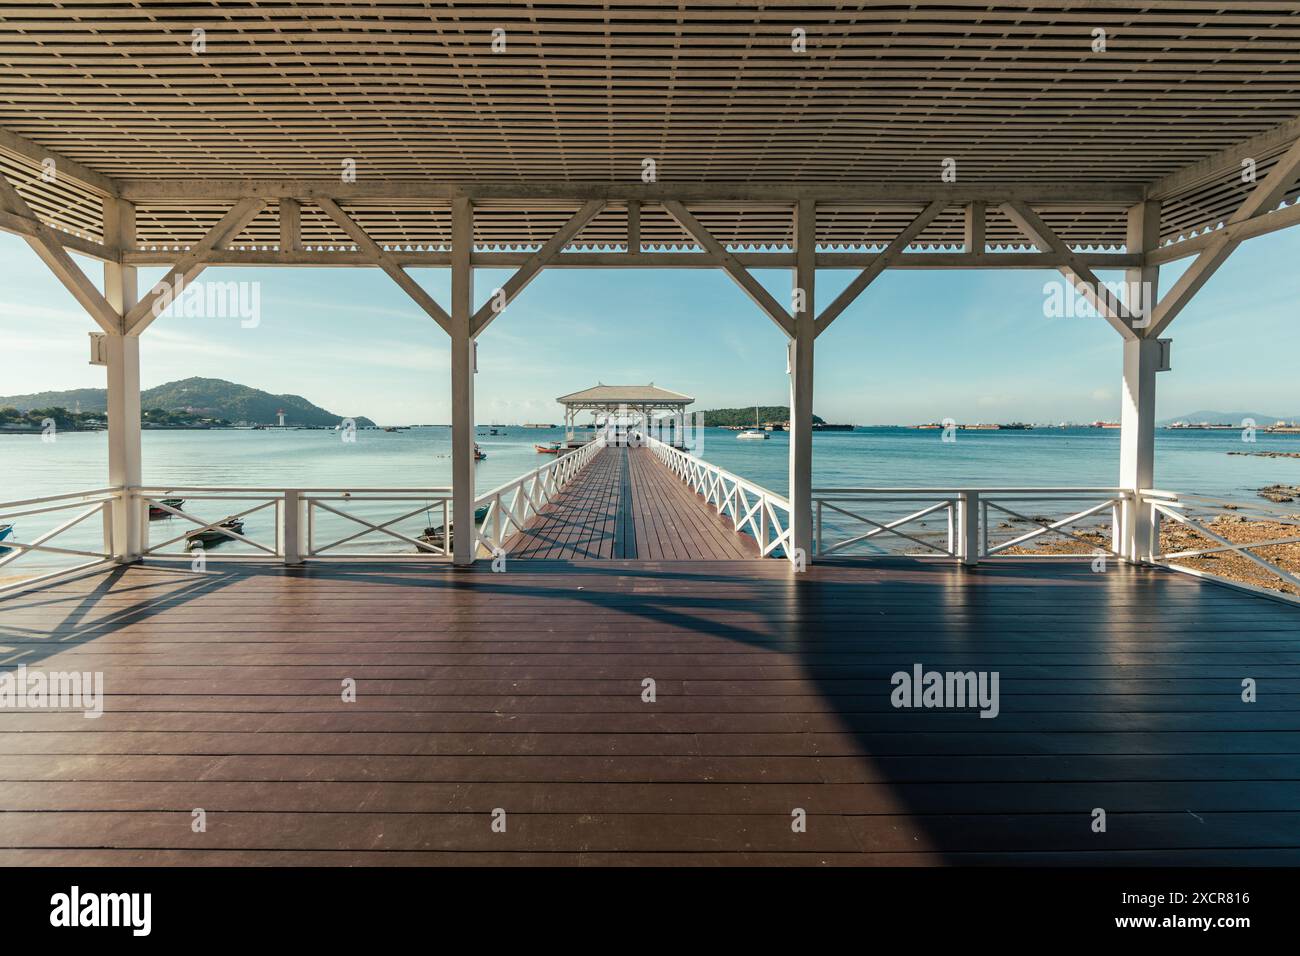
(638, 402)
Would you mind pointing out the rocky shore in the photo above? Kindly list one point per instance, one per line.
(1175, 537)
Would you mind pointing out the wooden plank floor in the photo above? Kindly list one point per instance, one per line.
(626, 504)
(524, 691)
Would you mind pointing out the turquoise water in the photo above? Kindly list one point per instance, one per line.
(1185, 461)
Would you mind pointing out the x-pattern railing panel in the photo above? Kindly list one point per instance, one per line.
(883, 529)
(966, 512)
(1197, 512)
(1042, 526)
(430, 502)
(86, 505)
(259, 499)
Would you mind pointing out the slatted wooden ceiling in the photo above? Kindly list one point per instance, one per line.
(584, 92)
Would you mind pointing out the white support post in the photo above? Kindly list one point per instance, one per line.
(291, 543)
(1135, 538)
(1136, 541)
(968, 527)
(801, 378)
(464, 544)
(121, 290)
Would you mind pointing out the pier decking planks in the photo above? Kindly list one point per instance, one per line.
(523, 691)
(626, 504)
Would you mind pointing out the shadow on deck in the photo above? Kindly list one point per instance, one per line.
(524, 691)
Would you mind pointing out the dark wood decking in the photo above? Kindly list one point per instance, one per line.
(523, 691)
(626, 504)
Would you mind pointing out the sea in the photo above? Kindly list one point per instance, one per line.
(1188, 460)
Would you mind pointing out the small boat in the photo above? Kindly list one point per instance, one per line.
(5, 531)
(478, 453)
(496, 431)
(156, 513)
(207, 537)
(433, 533)
(549, 448)
(756, 433)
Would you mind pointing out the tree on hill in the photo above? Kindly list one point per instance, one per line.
(738, 417)
(193, 399)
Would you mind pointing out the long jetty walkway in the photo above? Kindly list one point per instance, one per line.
(626, 504)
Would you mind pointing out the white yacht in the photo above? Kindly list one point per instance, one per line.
(756, 433)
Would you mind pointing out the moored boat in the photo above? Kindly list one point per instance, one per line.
(433, 533)
(756, 433)
(549, 448)
(5, 531)
(207, 537)
(156, 513)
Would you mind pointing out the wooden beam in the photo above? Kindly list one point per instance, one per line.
(1259, 225)
(66, 168)
(1103, 194)
(739, 274)
(633, 227)
(1225, 162)
(879, 264)
(644, 260)
(190, 265)
(385, 261)
(46, 244)
(974, 239)
(1083, 279)
(1262, 199)
(290, 225)
(534, 264)
(22, 226)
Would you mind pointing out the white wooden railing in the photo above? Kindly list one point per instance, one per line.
(312, 524)
(299, 524)
(958, 523)
(512, 505)
(204, 510)
(85, 505)
(1198, 513)
(752, 508)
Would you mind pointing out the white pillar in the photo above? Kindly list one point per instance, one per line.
(462, 384)
(801, 378)
(1138, 538)
(1137, 444)
(124, 454)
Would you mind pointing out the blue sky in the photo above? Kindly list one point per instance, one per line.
(916, 346)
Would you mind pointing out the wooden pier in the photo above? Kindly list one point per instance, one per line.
(524, 691)
(626, 504)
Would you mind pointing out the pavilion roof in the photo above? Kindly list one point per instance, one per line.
(625, 394)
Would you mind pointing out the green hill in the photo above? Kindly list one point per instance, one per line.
(720, 417)
(203, 397)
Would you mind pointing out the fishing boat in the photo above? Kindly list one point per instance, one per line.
(433, 533)
(157, 513)
(5, 531)
(549, 448)
(207, 537)
(478, 453)
(756, 433)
